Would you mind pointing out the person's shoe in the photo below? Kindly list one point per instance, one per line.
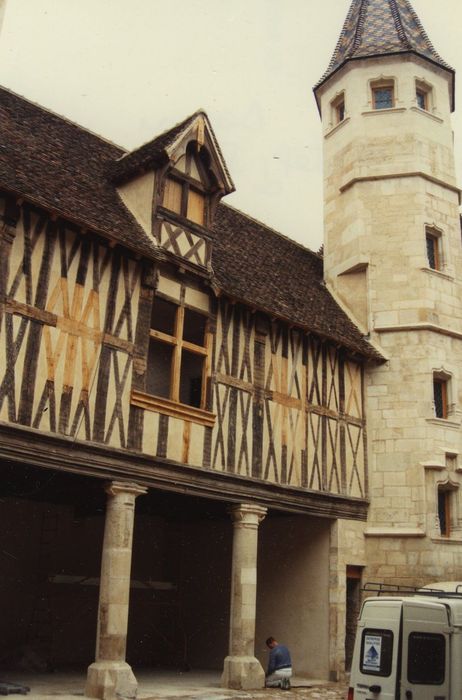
(285, 684)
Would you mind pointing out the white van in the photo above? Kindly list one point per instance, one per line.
(409, 644)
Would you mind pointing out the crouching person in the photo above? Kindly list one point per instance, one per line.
(279, 670)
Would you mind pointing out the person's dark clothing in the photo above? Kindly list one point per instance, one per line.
(279, 658)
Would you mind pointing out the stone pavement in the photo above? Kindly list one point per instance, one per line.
(173, 685)
(326, 691)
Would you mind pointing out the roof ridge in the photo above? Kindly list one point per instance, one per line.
(181, 123)
(419, 24)
(272, 230)
(395, 13)
(360, 25)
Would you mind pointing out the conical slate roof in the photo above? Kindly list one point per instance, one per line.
(381, 27)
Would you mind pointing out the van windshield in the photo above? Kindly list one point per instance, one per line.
(376, 652)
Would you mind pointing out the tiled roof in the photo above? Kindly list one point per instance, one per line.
(256, 265)
(60, 166)
(154, 152)
(381, 27)
(63, 168)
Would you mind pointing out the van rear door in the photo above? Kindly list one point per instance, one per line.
(375, 658)
(425, 663)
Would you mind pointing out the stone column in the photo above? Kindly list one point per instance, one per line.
(110, 675)
(242, 670)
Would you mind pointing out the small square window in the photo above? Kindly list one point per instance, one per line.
(383, 97)
(340, 111)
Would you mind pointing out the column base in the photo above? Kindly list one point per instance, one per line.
(110, 680)
(242, 673)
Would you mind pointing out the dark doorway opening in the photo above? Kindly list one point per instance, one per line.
(353, 607)
(51, 538)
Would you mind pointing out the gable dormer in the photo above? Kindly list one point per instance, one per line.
(172, 186)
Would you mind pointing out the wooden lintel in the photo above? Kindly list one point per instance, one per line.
(57, 452)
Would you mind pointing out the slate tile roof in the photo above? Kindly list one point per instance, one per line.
(378, 27)
(263, 268)
(63, 168)
(60, 166)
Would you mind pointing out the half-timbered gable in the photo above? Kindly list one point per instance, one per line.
(172, 185)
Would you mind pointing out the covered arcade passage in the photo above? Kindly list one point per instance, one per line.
(51, 537)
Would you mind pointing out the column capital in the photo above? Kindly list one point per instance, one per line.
(116, 488)
(247, 515)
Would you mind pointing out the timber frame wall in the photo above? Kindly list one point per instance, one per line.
(284, 418)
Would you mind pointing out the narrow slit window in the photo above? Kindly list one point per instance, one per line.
(440, 397)
(444, 511)
(433, 243)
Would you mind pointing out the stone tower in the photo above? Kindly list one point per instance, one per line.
(393, 256)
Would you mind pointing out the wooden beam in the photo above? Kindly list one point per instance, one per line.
(28, 446)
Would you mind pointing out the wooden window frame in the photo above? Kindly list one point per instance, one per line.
(382, 85)
(187, 183)
(178, 344)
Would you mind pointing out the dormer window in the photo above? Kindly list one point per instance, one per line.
(184, 190)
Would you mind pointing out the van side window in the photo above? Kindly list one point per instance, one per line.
(426, 658)
(376, 652)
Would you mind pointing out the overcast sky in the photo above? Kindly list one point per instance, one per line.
(129, 69)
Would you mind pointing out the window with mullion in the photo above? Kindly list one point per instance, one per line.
(383, 97)
(178, 352)
(184, 192)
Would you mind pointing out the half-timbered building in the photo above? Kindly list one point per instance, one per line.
(159, 344)
(159, 347)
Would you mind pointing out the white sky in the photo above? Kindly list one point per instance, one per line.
(129, 69)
